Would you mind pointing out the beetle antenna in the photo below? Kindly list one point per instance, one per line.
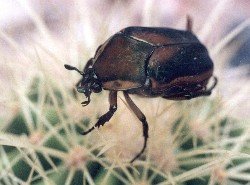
(69, 67)
(189, 24)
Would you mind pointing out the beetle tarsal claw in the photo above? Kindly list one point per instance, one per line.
(88, 131)
(215, 81)
(85, 103)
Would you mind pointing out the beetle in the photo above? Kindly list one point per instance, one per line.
(149, 62)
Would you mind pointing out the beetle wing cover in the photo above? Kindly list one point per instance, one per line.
(160, 36)
(121, 64)
(183, 63)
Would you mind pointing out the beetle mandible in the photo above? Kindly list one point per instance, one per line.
(147, 61)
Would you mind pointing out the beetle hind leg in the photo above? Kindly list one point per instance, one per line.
(142, 118)
(181, 93)
(214, 84)
(106, 117)
(189, 23)
(206, 92)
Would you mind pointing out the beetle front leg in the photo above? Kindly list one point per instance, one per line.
(106, 117)
(85, 103)
(143, 120)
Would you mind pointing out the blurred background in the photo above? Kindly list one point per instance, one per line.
(212, 20)
(17, 18)
(38, 36)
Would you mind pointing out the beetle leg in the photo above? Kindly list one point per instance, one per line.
(142, 118)
(180, 93)
(85, 103)
(189, 24)
(206, 92)
(106, 117)
(214, 84)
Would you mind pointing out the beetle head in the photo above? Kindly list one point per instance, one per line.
(89, 82)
